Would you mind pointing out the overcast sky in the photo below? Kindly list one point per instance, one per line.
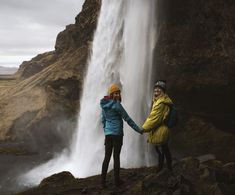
(29, 27)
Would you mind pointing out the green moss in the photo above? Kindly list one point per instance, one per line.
(13, 151)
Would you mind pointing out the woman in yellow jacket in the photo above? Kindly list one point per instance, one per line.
(156, 127)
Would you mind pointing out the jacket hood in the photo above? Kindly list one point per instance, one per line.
(106, 102)
(164, 99)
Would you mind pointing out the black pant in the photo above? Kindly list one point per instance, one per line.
(112, 142)
(164, 152)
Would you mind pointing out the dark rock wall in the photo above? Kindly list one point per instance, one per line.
(195, 53)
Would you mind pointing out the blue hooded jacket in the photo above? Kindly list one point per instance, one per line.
(112, 115)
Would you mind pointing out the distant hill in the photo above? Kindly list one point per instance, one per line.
(7, 70)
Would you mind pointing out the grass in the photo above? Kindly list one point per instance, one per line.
(13, 151)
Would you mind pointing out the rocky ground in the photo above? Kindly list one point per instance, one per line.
(199, 176)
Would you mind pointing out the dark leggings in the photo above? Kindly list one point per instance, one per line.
(164, 152)
(112, 142)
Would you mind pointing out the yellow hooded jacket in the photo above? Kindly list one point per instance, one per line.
(154, 124)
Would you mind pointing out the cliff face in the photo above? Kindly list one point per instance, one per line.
(195, 53)
(44, 98)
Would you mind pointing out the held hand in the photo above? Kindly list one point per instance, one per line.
(141, 131)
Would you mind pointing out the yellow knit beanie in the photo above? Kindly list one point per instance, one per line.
(113, 88)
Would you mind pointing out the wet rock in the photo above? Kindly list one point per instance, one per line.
(205, 174)
(206, 157)
(214, 164)
(230, 167)
(144, 180)
(223, 188)
(57, 179)
(190, 163)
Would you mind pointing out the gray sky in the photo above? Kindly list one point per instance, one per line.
(29, 27)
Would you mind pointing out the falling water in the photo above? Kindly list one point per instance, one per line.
(122, 53)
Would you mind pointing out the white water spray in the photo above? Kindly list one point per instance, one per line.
(122, 53)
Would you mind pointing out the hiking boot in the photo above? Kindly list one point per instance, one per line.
(103, 181)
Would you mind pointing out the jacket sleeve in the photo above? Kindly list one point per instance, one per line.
(155, 118)
(103, 119)
(127, 118)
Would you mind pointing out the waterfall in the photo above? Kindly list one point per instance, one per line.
(122, 53)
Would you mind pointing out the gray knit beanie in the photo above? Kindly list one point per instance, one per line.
(161, 84)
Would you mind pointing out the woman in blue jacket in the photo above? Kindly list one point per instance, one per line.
(112, 115)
